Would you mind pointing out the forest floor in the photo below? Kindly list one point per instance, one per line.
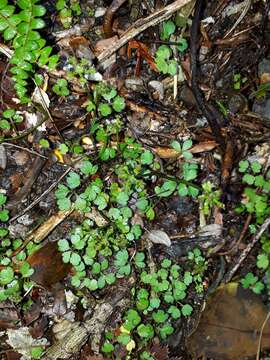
(134, 179)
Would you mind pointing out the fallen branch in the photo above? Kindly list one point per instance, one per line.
(37, 200)
(39, 234)
(246, 251)
(194, 41)
(141, 25)
(92, 328)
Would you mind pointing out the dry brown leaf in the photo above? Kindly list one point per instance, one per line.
(166, 153)
(169, 153)
(203, 146)
(159, 352)
(48, 265)
(230, 325)
(13, 355)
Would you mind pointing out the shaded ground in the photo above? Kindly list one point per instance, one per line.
(134, 176)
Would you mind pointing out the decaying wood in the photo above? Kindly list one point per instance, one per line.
(45, 229)
(141, 25)
(92, 328)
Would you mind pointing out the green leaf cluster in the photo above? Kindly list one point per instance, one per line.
(10, 117)
(250, 281)
(67, 9)
(160, 300)
(83, 71)
(168, 29)
(11, 282)
(164, 61)
(257, 193)
(106, 100)
(4, 213)
(61, 87)
(19, 24)
(209, 198)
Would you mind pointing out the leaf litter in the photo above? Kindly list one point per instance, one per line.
(134, 164)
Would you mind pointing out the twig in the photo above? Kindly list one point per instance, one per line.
(246, 251)
(25, 149)
(241, 237)
(211, 118)
(40, 233)
(241, 17)
(32, 174)
(140, 26)
(37, 200)
(108, 17)
(25, 133)
(261, 334)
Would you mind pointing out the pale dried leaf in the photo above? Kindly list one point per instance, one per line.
(22, 341)
(159, 237)
(211, 230)
(40, 97)
(33, 119)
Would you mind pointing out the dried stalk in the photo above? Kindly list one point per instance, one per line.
(140, 25)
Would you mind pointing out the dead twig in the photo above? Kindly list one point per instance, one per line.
(241, 237)
(141, 25)
(247, 4)
(246, 251)
(45, 229)
(25, 149)
(194, 40)
(32, 175)
(37, 200)
(261, 334)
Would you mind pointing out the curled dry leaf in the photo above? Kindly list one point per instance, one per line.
(211, 230)
(159, 237)
(203, 146)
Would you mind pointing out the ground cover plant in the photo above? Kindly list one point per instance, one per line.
(134, 175)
